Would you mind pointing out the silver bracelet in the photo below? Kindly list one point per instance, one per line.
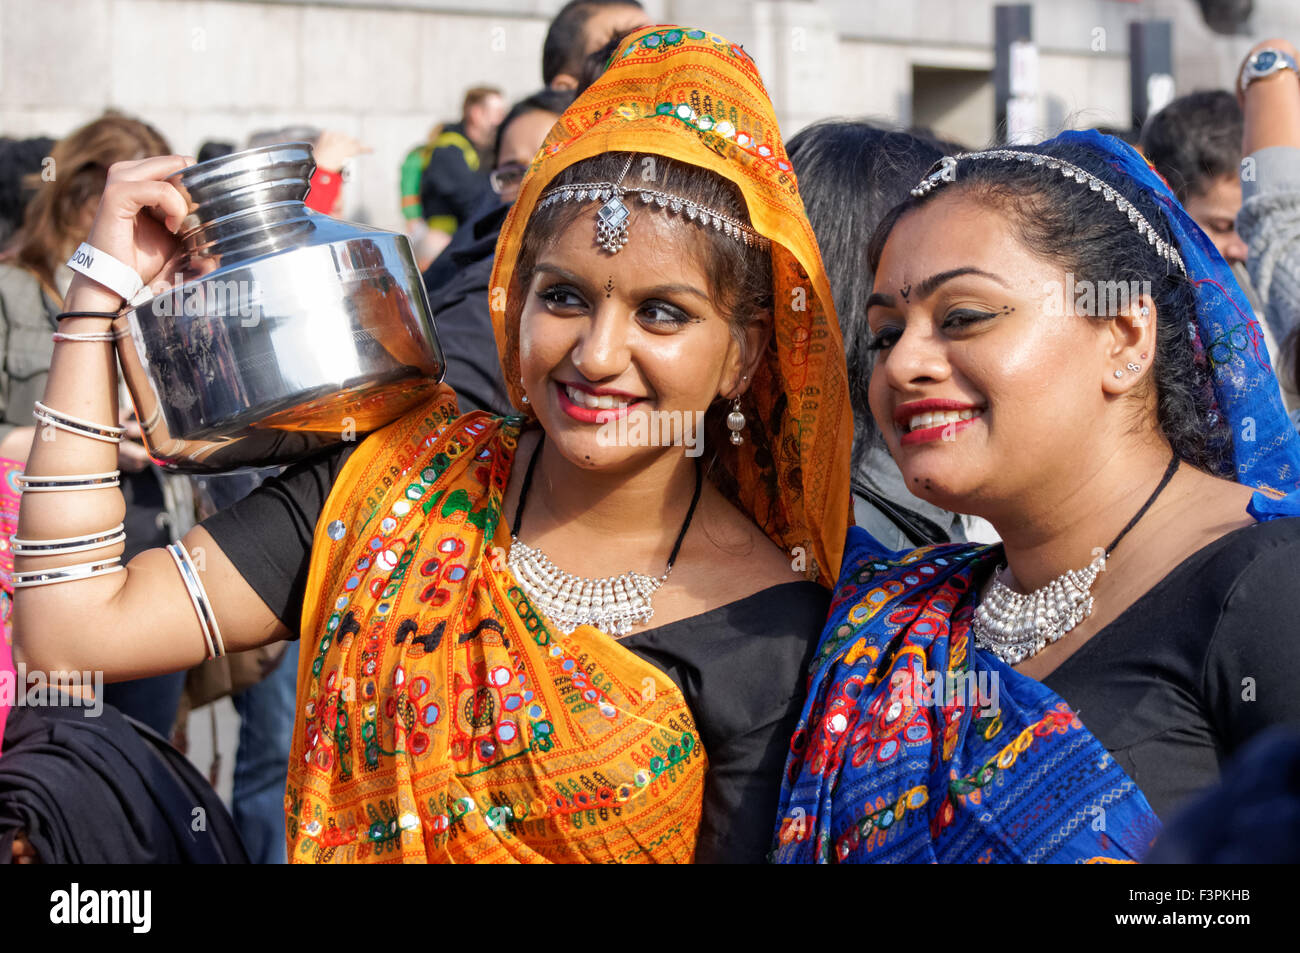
(82, 428)
(69, 544)
(109, 336)
(37, 483)
(46, 577)
(199, 599)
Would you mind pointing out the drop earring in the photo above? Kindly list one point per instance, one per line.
(736, 422)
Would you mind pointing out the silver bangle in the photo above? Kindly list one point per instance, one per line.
(46, 577)
(69, 544)
(199, 600)
(40, 483)
(109, 336)
(82, 428)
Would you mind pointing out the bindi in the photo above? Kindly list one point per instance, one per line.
(609, 286)
(905, 291)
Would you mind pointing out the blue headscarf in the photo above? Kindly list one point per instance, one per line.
(887, 765)
(1226, 335)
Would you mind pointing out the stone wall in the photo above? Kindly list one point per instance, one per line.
(387, 70)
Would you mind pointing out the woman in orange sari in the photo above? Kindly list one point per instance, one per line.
(578, 634)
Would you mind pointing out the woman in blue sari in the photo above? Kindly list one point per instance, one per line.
(1063, 352)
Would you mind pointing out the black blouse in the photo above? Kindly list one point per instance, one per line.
(1204, 660)
(740, 666)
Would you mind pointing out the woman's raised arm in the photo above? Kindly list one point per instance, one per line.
(141, 621)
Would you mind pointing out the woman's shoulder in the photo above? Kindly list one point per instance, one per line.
(1273, 543)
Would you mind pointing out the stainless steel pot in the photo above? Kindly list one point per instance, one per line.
(282, 331)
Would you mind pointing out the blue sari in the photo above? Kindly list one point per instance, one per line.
(916, 746)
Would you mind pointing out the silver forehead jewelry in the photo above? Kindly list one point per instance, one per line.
(1015, 626)
(945, 170)
(613, 604)
(612, 216)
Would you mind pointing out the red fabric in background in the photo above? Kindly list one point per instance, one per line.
(9, 496)
(324, 193)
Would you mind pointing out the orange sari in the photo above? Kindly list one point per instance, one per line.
(440, 718)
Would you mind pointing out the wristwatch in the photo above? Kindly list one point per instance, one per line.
(1264, 63)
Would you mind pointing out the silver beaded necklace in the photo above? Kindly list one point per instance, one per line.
(613, 604)
(1015, 626)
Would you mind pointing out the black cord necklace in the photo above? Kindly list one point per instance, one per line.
(613, 604)
(1015, 626)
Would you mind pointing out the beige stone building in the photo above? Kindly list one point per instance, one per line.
(386, 70)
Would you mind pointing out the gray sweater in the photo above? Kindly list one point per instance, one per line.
(26, 323)
(1269, 224)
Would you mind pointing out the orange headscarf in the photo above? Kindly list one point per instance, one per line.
(692, 96)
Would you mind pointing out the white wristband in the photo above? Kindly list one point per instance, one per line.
(102, 268)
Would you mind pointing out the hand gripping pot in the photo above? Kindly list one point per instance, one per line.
(282, 331)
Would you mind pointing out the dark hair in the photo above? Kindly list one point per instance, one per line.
(1129, 134)
(544, 100)
(80, 163)
(1072, 225)
(563, 50)
(1195, 140)
(850, 174)
(19, 159)
(214, 149)
(596, 63)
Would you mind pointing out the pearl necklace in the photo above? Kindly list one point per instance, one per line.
(613, 604)
(1015, 626)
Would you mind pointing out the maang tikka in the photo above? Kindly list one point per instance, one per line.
(613, 214)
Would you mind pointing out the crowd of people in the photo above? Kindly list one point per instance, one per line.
(982, 561)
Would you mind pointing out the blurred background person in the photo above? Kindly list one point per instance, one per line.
(460, 277)
(1269, 220)
(1195, 145)
(452, 168)
(33, 278)
(580, 28)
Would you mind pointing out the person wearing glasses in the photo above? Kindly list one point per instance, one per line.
(458, 281)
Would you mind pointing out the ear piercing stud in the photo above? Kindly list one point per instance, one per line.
(524, 398)
(1134, 367)
(1118, 374)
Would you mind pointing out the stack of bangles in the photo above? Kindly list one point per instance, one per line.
(33, 483)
